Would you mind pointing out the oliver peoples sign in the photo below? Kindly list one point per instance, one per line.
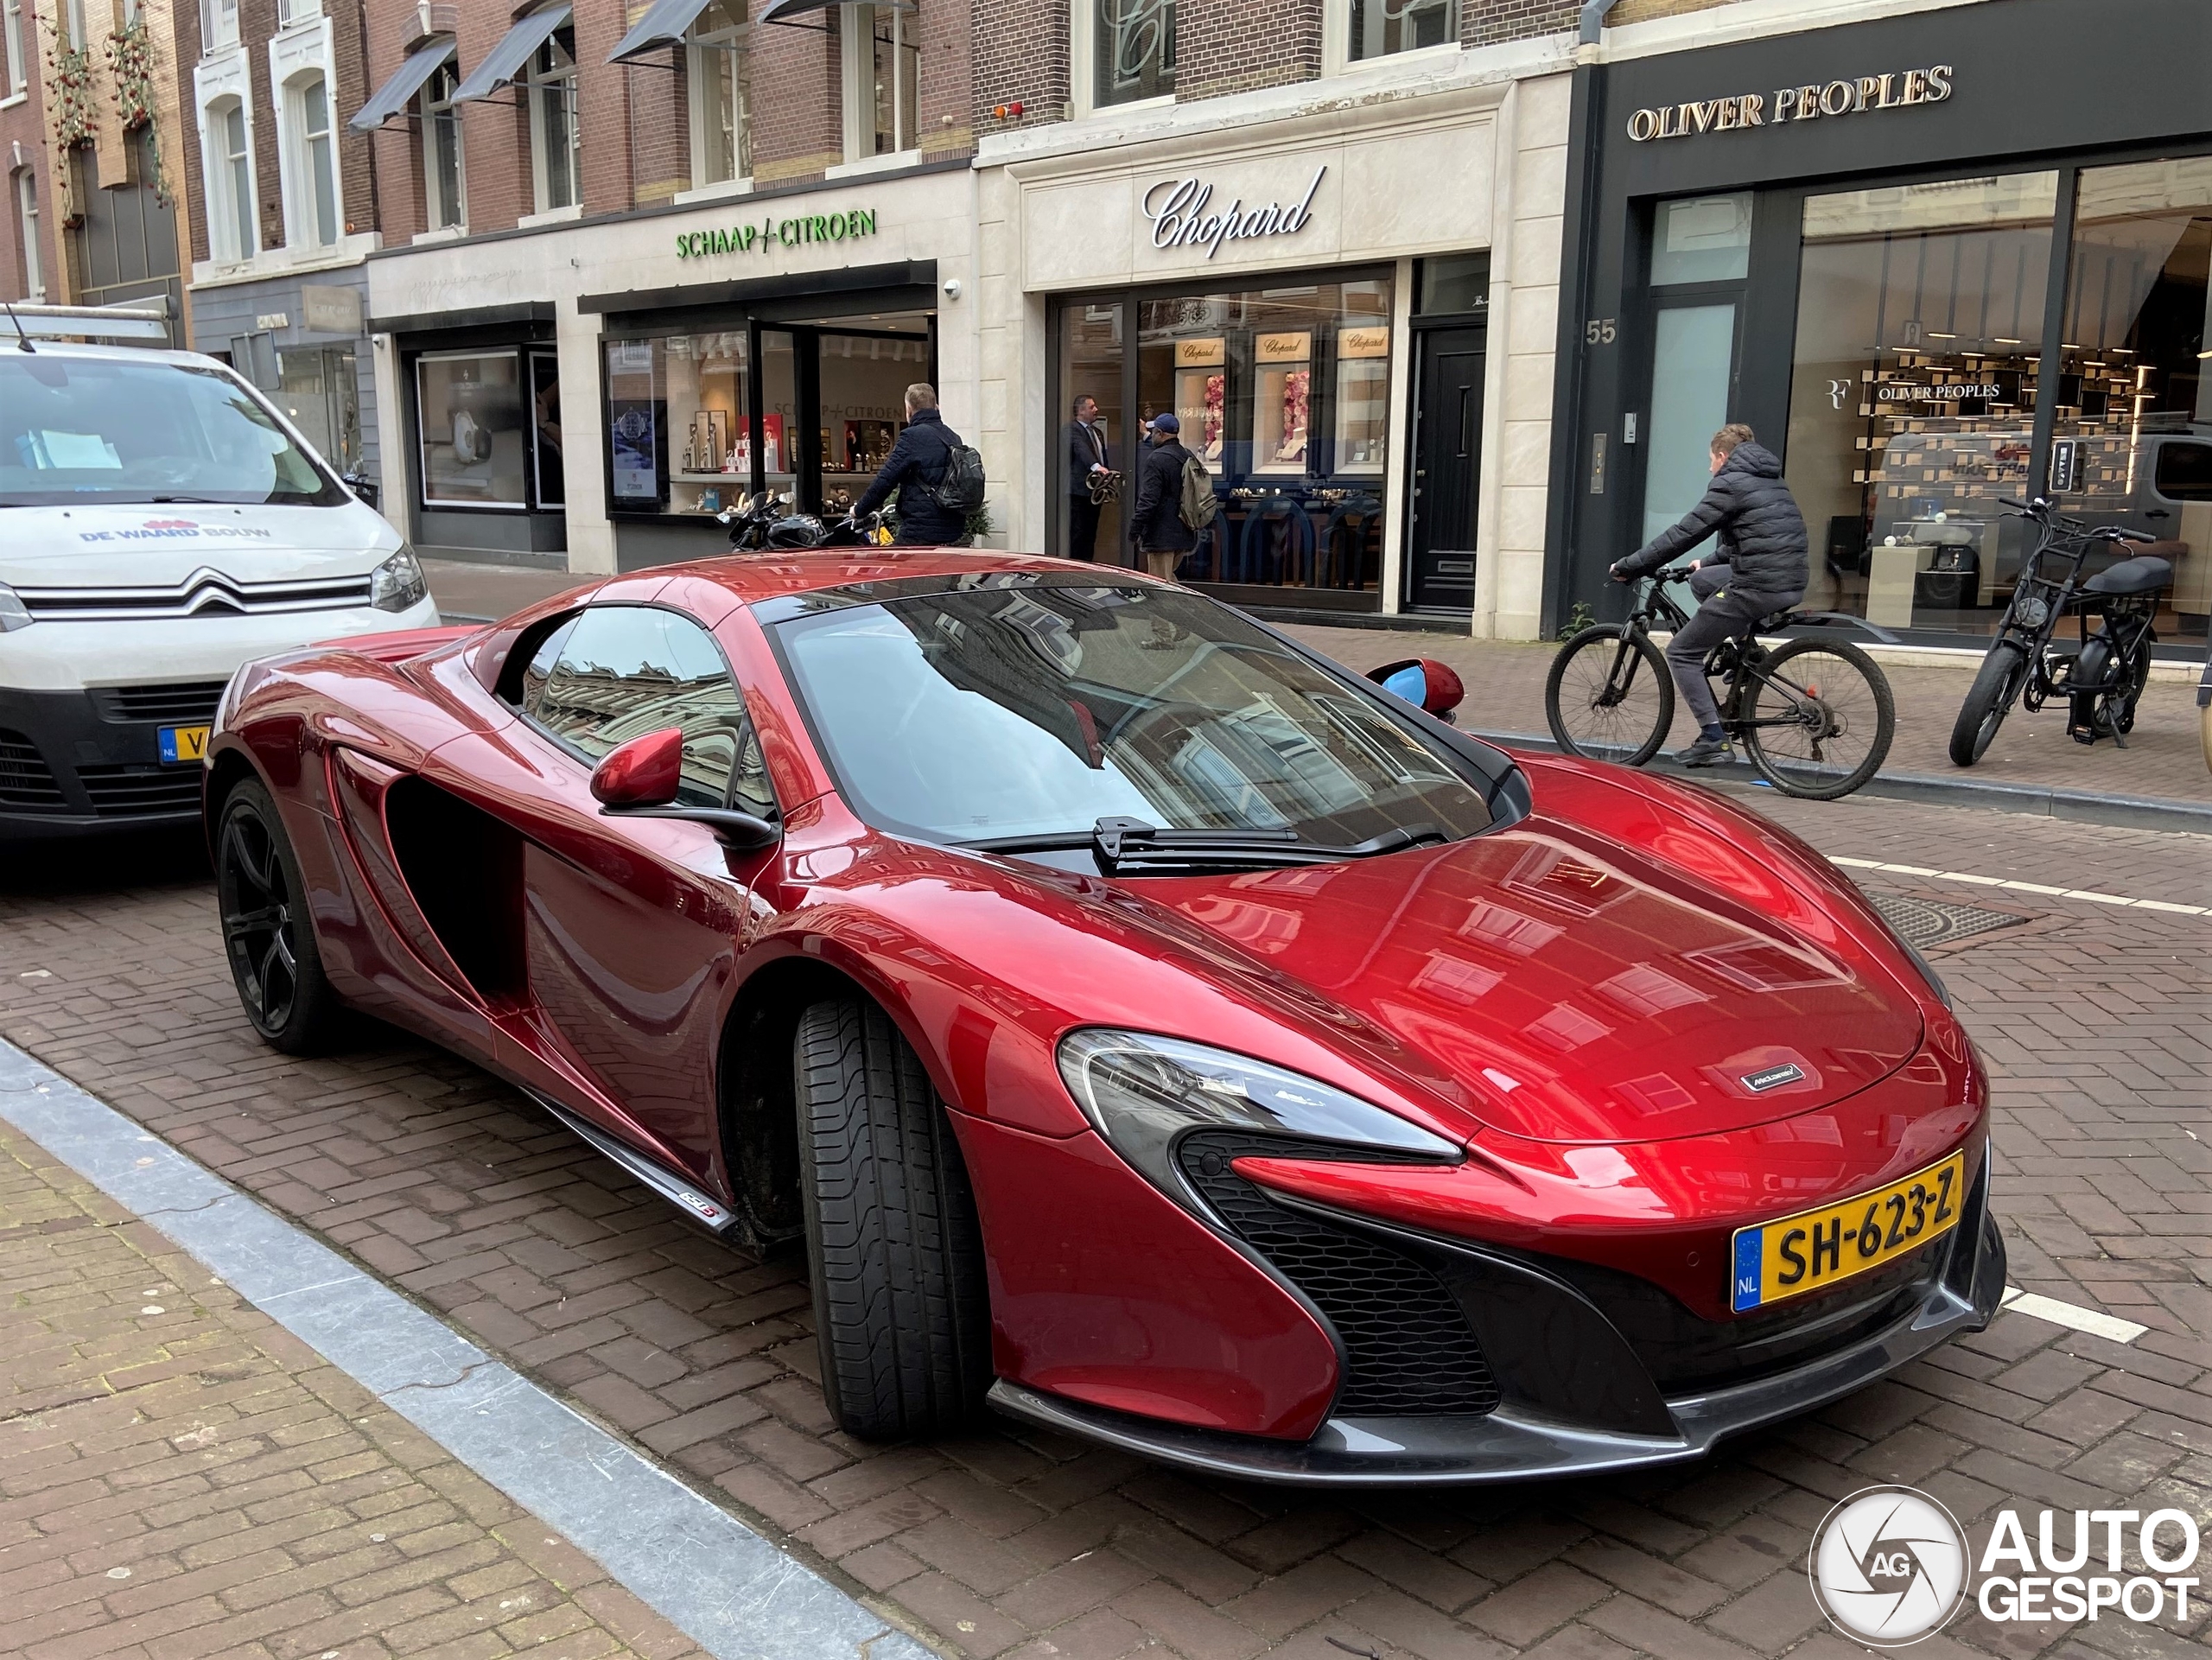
(1176, 208)
(1834, 98)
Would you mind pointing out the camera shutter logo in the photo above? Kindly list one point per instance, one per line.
(1888, 1566)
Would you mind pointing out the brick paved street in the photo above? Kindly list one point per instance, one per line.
(1011, 1543)
(181, 1477)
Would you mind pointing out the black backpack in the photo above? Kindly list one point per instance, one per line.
(960, 490)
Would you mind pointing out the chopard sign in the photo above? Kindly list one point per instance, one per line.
(1176, 208)
(1834, 98)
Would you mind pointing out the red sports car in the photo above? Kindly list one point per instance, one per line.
(1150, 1028)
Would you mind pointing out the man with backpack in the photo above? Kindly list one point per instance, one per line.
(939, 480)
(1175, 499)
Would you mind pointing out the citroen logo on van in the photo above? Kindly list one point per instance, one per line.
(1772, 1078)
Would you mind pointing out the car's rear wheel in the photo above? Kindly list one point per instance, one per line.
(267, 933)
(901, 1309)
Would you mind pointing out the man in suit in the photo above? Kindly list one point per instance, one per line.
(1088, 455)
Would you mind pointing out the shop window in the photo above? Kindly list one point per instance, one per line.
(319, 390)
(555, 138)
(883, 55)
(312, 221)
(547, 463)
(11, 34)
(1092, 366)
(232, 229)
(2134, 403)
(1283, 392)
(1132, 49)
(721, 95)
(698, 380)
(26, 222)
(444, 197)
(1382, 28)
(475, 446)
(1920, 315)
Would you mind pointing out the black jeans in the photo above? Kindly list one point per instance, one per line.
(1725, 613)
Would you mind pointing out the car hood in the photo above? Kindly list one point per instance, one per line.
(142, 545)
(1575, 987)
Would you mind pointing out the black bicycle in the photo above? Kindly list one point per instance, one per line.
(1815, 715)
(2102, 678)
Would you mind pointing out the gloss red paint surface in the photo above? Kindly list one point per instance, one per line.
(1575, 998)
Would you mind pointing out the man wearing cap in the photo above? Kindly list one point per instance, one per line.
(1157, 523)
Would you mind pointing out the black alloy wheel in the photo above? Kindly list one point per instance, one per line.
(267, 936)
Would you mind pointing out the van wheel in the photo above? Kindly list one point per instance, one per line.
(267, 933)
(894, 1250)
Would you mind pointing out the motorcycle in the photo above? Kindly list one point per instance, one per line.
(768, 523)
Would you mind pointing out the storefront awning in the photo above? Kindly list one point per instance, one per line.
(783, 11)
(665, 23)
(389, 99)
(507, 61)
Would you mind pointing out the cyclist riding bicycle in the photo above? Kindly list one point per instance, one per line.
(1760, 565)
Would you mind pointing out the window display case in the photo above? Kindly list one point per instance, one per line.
(1202, 396)
(1363, 426)
(1282, 401)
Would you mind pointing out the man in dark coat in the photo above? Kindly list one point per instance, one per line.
(1088, 454)
(914, 469)
(1760, 564)
(1157, 523)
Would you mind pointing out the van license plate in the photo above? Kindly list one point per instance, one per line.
(1814, 1249)
(183, 743)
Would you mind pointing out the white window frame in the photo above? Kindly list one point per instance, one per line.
(706, 55)
(26, 223)
(291, 14)
(11, 22)
(302, 230)
(438, 214)
(1335, 43)
(76, 34)
(219, 26)
(562, 83)
(856, 27)
(1083, 67)
(227, 216)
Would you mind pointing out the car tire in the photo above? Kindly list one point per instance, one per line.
(895, 1253)
(268, 932)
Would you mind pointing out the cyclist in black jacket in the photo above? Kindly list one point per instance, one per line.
(1760, 565)
(915, 469)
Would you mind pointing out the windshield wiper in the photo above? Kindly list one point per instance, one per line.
(1120, 844)
(202, 501)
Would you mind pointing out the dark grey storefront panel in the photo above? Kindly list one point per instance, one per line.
(2035, 84)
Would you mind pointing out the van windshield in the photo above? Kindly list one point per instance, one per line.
(97, 430)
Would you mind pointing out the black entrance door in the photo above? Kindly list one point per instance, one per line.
(1447, 445)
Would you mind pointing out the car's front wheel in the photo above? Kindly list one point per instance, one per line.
(900, 1305)
(267, 932)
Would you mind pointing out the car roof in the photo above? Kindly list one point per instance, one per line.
(112, 354)
(754, 578)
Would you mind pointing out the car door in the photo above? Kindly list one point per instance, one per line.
(632, 926)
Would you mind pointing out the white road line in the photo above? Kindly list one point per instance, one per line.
(2020, 887)
(2037, 1307)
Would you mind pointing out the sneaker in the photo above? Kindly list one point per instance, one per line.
(1705, 751)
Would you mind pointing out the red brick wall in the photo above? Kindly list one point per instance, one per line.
(1021, 57)
(25, 124)
(797, 102)
(1482, 22)
(944, 122)
(193, 188)
(1235, 46)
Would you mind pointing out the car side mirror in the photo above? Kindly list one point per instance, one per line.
(643, 772)
(1424, 682)
(639, 779)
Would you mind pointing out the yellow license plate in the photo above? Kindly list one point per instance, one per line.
(184, 743)
(1812, 1250)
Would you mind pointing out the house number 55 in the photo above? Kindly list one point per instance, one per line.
(1599, 331)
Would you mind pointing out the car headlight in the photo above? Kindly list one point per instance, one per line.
(1935, 980)
(397, 584)
(1144, 1094)
(14, 613)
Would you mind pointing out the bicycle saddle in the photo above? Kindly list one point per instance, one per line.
(2141, 576)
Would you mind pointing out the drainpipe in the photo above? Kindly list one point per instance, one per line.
(1569, 466)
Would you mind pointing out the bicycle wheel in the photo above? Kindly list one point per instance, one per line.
(1996, 684)
(1820, 718)
(1609, 695)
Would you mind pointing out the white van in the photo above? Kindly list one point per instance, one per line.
(160, 524)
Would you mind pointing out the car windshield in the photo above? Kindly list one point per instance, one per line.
(1004, 712)
(100, 430)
